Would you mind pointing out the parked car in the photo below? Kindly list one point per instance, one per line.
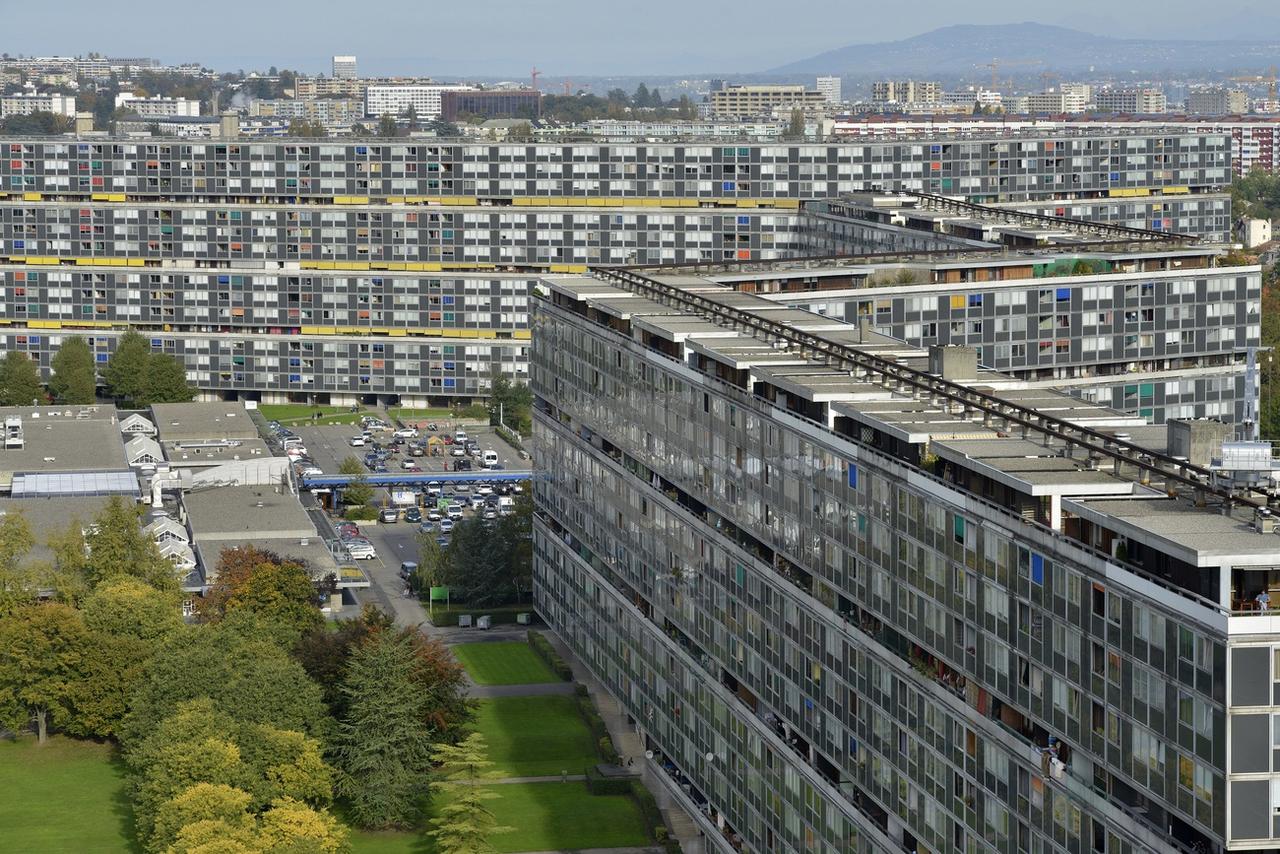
(356, 441)
(462, 465)
(484, 489)
(458, 451)
(413, 515)
(426, 527)
(416, 451)
(389, 515)
(442, 541)
(348, 529)
(406, 464)
(454, 512)
(407, 569)
(311, 471)
(434, 515)
(362, 551)
(413, 469)
(489, 459)
(406, 433)
(490, 514)
(460, 437)
(433, 488)
(476, 502)
(446, 525)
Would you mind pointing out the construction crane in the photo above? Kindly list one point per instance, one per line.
(534, 74)
(996, 64)
(1271, 79)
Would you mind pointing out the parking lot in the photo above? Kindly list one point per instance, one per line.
(327, 446)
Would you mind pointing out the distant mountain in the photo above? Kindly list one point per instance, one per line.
(1019, 47)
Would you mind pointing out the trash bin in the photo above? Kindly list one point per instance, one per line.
(464, 621)
(522, 619)
(483, 622)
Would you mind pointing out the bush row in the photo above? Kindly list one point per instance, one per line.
(652, 817)
(599, 784)
(543, 648)
(502, 615)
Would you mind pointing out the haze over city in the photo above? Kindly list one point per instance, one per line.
(506, 37)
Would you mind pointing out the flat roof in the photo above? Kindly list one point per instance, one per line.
(214, 452)
(60, 444)
(314, 552)
(246, 513)
(1177, 527)
(194, 421)
(1030, 468)
(48, 516)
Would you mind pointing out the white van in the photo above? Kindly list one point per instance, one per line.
(489, 459)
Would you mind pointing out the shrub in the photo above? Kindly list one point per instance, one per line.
(543, 648)
(580, 690)
(608, 752)
(363, 513)
(599, 784)
(648, 806)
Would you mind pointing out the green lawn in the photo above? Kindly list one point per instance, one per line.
(548, 817)
(503, 663)
(300, 413)
(535, 736)
(67, 796)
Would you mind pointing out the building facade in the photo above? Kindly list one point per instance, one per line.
(906, 92)
(395, 98)
(157, 106)
(344, 68)
(26, 103)
(1138, 101)
(851, 608)
(357, 237)
(491, 104)
(830, 89)
(756, 101)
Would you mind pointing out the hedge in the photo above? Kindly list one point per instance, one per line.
(363, 513)
(501, 615)
(543, 647)
(599, 784)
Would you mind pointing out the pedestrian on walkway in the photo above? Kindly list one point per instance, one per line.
(564, 776)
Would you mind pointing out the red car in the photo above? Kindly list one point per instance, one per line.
(349, 529)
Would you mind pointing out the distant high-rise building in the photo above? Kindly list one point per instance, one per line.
(1217, 101)
(761, 100)
(1140, 101)
(830, 88)
(425, 100)
(344, 67)
(906, 92)
(715, 85)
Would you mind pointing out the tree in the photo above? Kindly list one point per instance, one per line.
(165, 381)
(19, 380)
(686, 110)
(351, 466)
(463, 824)
(128, 621)
(126, 371)
(292, 826)
(68, 575)
(383, 750)
(510, 401)
(42, 648)
(641, 98)
(206, 806)
(795, 127)
(16, 577)
(387, 125)
(266, 585)
(520, 132)
(304, 128)
(118, 546)
(251, 678)
(357, 492)
(74, 377)
(324, 654)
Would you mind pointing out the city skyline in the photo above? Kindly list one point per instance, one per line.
(573, 40)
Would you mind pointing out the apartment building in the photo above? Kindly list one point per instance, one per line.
(1139, 320)
(830, 89)
(906, 92)
(1139, 101)
(1217, 101)
(329, 87)
(756, 101)
(856, 596)
(344, 68)
(338, 236)
(396, 98)
(491, 104)
(26, 103)
(971, 98)
(331, 112)
(157, 106)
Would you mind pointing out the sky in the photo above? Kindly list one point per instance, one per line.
(448, 38)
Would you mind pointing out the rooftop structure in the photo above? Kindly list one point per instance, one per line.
(72, 440)
(201, 422)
